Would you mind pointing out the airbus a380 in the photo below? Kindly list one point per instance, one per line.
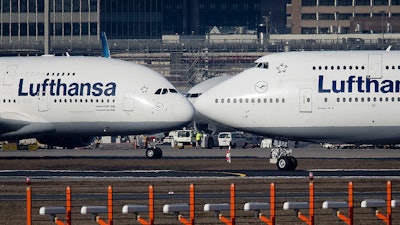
(334, 97)
(66, 101)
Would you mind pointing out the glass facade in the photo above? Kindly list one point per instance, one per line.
(228, 13)
(124, 19)
(82, 20)
(23, 20)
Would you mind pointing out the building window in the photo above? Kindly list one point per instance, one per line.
(309, 16)
(309, 2)
(345, 3)
(76, 5)
(362, 2)
(326, 2)
(381, 2)
(324, 16)
(93, 5)
(67, 5)
(345, 16)
(309, 30)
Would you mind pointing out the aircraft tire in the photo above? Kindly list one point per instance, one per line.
(283, 163)
(210, 143)
(151, 153)
(292, 162)
(159, 153)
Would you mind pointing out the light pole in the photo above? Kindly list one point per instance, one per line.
(383, 31)
(337, 30)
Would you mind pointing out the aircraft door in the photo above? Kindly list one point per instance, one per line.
(375, 66)
(42, 104)
(128, 102)
(9, 74)
(305, 104)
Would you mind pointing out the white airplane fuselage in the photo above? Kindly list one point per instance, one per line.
(66, 99)
(337, 97)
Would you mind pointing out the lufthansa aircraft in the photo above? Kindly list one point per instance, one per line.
(66, 101)
(334, 97)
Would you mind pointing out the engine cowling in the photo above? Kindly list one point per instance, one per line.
(66, 141)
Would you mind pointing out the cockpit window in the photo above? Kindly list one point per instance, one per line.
(262, 65)
(164, 91)
(193, 95)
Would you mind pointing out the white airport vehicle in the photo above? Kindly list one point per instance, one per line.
(333, 97)
(182, 138)
(67, 101)
(233, 139)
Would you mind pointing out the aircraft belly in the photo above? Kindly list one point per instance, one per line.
(116, 128)
(362, 135)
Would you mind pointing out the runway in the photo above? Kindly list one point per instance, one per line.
(80, 174)
(168, 152)
(361, 169)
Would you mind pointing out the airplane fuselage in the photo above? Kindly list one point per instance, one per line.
(351, 97)
(85, 96)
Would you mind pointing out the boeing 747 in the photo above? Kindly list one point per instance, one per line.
(334, 97)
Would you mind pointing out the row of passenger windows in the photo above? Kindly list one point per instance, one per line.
(60, 74)
(282, 100)
(350, 67)
(338, 67)
(251, 100)
(84, 100)
(66, 100)
(367, 99)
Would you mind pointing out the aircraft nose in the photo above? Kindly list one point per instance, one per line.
(201, 105)
(185, 112)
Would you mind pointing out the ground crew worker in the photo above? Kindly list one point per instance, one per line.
(198, 139)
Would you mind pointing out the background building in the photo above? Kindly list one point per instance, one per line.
(76, 24)
(72, 24)
(343, 16)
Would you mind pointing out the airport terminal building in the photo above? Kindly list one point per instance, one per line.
(77, 23)
(343, 16)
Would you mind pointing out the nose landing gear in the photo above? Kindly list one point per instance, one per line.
(153, 153)
(281, 157)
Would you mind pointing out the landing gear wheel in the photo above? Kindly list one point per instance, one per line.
(283, 163)
(158, 153)
(210, 143)
(292, 162)
(153, 153)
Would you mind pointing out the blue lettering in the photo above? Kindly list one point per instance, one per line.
(110, 91)
(321, 84)
(359, 84)
(73, 89)
(59, 88)
(97, 89)
(20, 87)
(335, 87)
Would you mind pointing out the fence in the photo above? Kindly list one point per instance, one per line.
(251, 202)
